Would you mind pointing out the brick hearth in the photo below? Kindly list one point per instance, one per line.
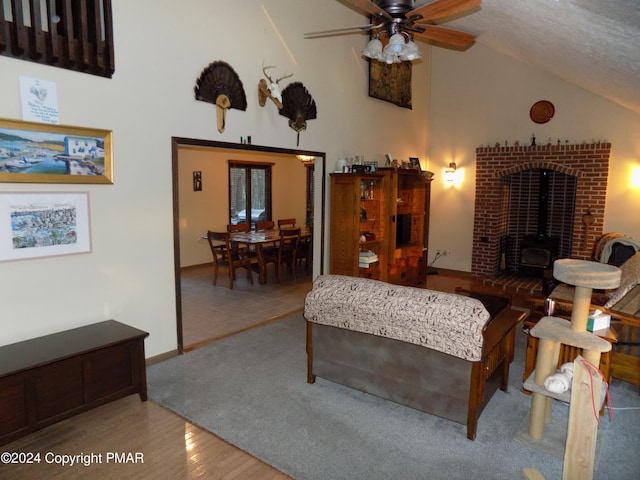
(589, 163)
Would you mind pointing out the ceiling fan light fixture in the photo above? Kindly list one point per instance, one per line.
(396, 43)
(390, 58)
(411, 52)
(373, 49)
(397, 50)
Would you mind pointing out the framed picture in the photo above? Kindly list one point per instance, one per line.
(48, 224)
(373, 166)
(415, 163)
(391, 83)
(44, 153)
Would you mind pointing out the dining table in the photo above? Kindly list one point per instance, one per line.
(257, 240)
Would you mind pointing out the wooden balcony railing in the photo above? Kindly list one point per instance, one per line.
(72, 34)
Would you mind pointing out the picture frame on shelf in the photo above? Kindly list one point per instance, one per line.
(47, 224)
(373, 166)
(366, 168)
(415, 163)
(33, 152)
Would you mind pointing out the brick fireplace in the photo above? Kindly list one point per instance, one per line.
(583, 169)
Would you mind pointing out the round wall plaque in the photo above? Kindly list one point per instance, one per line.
(542, 111)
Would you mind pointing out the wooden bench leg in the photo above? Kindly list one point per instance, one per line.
(311, 378)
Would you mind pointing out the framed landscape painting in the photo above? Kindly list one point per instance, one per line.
(44, 153)
(43, 224)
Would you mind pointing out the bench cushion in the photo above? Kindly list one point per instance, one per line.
(446, 322)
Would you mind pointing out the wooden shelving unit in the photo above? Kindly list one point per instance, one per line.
(408, 195)
(372, 204)
(358, 210)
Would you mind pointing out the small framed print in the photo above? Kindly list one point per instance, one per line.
(373, 166)
(48, 224)
(415, 163)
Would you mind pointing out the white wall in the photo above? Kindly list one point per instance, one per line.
(160, 49)
(481, 97)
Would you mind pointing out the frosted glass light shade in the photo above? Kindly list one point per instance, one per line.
(373, 49)
(410, 52)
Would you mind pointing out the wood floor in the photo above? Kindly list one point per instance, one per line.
(165, 444)
(211, 312)
(161, 443)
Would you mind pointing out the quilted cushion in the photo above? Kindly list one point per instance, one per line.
(450, 323)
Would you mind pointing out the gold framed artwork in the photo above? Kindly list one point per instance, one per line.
(44, 153)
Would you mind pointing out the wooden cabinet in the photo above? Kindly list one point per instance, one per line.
(391, 209)
(359, 222)
(47, 379)
(409, 198)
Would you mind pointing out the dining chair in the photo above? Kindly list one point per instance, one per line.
(285, 252)
(286, 223)
(265, 225)
(238, 227)
(226, 255)
(305, 250)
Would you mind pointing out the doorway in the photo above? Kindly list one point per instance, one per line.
(230, 150)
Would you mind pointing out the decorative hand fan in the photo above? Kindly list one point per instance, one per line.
(298, 106)
(219, 84)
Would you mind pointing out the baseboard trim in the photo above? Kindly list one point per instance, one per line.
(454, 273)
(162, 357)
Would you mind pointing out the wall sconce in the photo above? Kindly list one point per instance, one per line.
(635, 177)
(450, 173)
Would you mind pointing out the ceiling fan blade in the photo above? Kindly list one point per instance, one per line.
(337, 31)
(369, 7)
(443, 8)
(453, 38)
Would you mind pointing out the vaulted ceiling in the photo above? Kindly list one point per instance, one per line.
(594, 44)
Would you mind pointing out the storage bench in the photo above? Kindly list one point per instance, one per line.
(47, 379)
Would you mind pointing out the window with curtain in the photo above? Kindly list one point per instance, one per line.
(249, 192)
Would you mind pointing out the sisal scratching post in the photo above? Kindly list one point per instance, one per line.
(540, 414)
(585, 276)
(554, 332)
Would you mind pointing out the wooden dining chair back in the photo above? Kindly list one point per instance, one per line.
(238, 227)
(265, 225)
(226, 255)
(286, 223)
(285, 252)
(305, 250)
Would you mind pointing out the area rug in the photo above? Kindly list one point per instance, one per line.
(250, 389)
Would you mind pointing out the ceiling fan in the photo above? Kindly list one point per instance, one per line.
(400, 21)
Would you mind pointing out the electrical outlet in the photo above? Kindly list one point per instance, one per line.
(438, 252)
(447, 252)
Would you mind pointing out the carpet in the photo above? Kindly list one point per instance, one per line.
(250, 389)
